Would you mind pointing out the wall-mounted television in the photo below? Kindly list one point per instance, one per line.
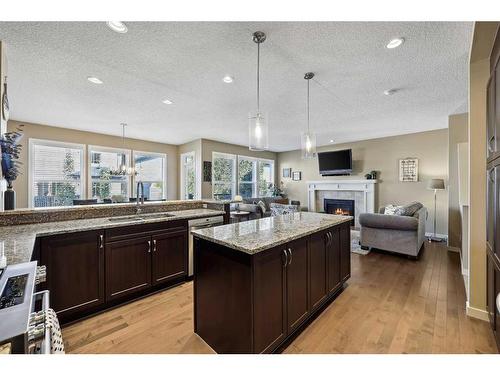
(335, 163)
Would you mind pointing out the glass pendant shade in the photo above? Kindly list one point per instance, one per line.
(308, 145)
(123, 164)
(258, 131)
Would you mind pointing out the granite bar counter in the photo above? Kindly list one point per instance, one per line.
(18, 241)
(258, 283)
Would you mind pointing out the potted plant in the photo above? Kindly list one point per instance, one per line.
(10, 150)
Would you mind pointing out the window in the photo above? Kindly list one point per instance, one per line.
(265, 178)
(188, 175)
(55, 173)
(105, 179)
(247, 177)
(151, 169)
(253, 178)
(223, 175)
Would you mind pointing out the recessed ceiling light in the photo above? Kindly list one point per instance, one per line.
(396, 42)
(117, 26)
(390, 92)
(95, 80)
(331, 140)
(166, 101)
(228, 79)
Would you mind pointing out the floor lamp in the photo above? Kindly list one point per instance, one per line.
(435, 184)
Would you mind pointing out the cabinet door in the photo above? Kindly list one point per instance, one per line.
(169, 256)
(334, 279)
(297, 283)
(490, 210)
(345, 251)
(128, 266)
(491, 296)
(491, 116)
(75, 271)
(269, 299)
(317, 268)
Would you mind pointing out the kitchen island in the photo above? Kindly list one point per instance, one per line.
(258, 283)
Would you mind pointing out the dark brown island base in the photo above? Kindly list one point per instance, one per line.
(258, 283)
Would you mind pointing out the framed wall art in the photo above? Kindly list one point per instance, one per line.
(408, 170)
(287, 172)
(297, 176)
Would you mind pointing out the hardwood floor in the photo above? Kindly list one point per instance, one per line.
(392, 305)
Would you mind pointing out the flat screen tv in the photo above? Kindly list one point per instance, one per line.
(335, 163)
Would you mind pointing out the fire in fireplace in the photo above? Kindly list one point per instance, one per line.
(340, 207)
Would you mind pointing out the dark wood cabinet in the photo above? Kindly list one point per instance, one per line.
(333, 259)
(318, 262)
(75, 271)
(169, 256)
(269, 276)
(93, 270)
(128, 266)
(285, 285)
(297, 283)
(345, 251)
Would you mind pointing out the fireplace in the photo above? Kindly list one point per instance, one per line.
(340, 207)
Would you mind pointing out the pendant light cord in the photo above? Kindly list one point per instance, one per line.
(258, 77)
(308, 118)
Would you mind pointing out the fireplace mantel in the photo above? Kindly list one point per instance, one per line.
(365, 186)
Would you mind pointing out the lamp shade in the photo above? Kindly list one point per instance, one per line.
(436, 184)
(238, 198)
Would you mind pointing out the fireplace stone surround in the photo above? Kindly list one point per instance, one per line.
(361, 191)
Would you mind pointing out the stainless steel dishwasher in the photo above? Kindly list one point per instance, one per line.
(202, 223)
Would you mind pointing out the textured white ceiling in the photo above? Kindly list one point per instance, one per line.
(185, 62)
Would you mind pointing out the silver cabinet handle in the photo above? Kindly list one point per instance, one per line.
(492, 138)
(498, 302)
(286, 258)
(149, 246)
(327, 238)
(290, 252)
(101, 241)
(331, 237)
(154, 245)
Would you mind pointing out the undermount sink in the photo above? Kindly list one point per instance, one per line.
(140, 217)
(156, 216)
(126, 218)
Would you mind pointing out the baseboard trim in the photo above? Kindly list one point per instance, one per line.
(454, 250)
(476, 313)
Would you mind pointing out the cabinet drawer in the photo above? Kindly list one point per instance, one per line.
(131, 231)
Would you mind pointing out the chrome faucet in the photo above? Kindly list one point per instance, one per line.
(138, 208)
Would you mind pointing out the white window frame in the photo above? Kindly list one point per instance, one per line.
(235, 172)
(183, 176)
(236, 183)
(106, 149)
(45, 142)
(165, 174)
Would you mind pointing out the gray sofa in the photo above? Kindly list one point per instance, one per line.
(250, 204)
(397, 233)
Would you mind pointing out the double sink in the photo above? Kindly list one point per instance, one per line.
(134, 218)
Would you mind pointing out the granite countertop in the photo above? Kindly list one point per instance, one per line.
(254, 236)
(17, 241)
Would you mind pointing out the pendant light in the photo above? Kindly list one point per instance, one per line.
(258, 130)
(123, 169)
(308, 138)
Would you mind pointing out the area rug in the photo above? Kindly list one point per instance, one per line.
(355, 246)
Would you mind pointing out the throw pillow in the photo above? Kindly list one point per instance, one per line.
(392, 210)
(410, 208)
(262, 206)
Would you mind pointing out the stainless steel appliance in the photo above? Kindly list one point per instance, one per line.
(20, 324)
(205, 222)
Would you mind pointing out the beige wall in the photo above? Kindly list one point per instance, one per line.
(383, 155)
(209, 146)
(457, 133)
(482, 44)
(38, 131)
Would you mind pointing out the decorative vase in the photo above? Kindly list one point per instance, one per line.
(9, 199)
